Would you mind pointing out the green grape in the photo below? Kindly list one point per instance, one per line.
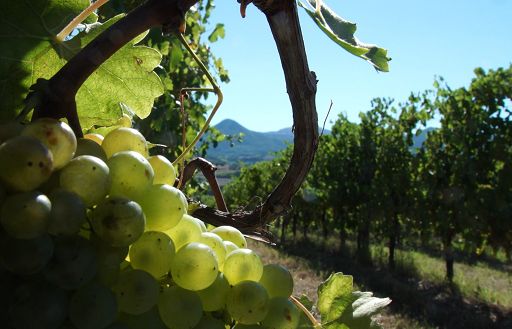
(247, 302)
(118, 221)
(277, 280)
(26, 163)
(25, 257)
(194, 266)
(124, 121)
(26, 215)
(109, 260)
(179, 308)
(185, 232)
(164, 206)
(153, 253)
(73, 263)
(209, 322)
(86, 146)
(214, 296)
(213, 241)
(232, 234)
(230, 246)
(125, 139)
(164, 170)
(150, 320)
(93, 306)
(98, 138)
(37, 305)
(282, 314)
(131, 174)
(200, 222)
(106, 253)
(242, 264)
(136, 291)
(87, 176)
(68, 213)
(58, 137)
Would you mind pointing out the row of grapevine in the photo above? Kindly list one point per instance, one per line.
(370, 180)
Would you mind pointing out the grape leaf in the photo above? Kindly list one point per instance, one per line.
(126, 77)
(342, 32)
(334, 296)
(341, 308)
(26, 31)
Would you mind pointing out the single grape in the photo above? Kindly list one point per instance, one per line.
(109, 260)
(247, 302)
(26, 215)
(136, 291)
(86, 146)
(185, 232)
(150, 319)
(68, 213)
(98, 138)
(131, 175)
(73, 263)
(214, 296)
(152, 252)
(93, 306)
(118, 221)
(125, 139)
(213, 241)
(179, 308)
(164, 170)
(277, 280)
(200, 222)
(25, 257)
(209, 322)
(87, 176)
(230, 246)
(26, 163)
(282, 314)
(57, 136)
(164, 206)
(232, 234)
(242, 264)
(124, 121)
(38, 305)
(194, 266)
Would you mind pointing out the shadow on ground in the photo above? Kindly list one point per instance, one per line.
(439, 305)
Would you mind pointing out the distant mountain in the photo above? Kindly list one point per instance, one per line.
(255, 146)
(260, 146)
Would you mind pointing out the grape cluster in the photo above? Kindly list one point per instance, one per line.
(93, 235)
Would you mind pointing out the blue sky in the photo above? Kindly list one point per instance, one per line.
(424, 38)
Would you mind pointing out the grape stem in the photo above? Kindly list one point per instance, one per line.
(208, 169)
(215, 90)
(310, 316)
(79, 19)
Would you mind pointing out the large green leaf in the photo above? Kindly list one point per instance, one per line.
(29, 28)
(342, 32)
(341, 308)
(334, 296)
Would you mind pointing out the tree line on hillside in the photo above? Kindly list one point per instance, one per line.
(369, 182)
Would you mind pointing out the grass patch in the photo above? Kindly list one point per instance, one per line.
(476, 281)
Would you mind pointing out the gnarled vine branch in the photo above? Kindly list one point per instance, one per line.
(57, 95)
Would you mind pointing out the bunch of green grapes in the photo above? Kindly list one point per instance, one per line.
(94, 235)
